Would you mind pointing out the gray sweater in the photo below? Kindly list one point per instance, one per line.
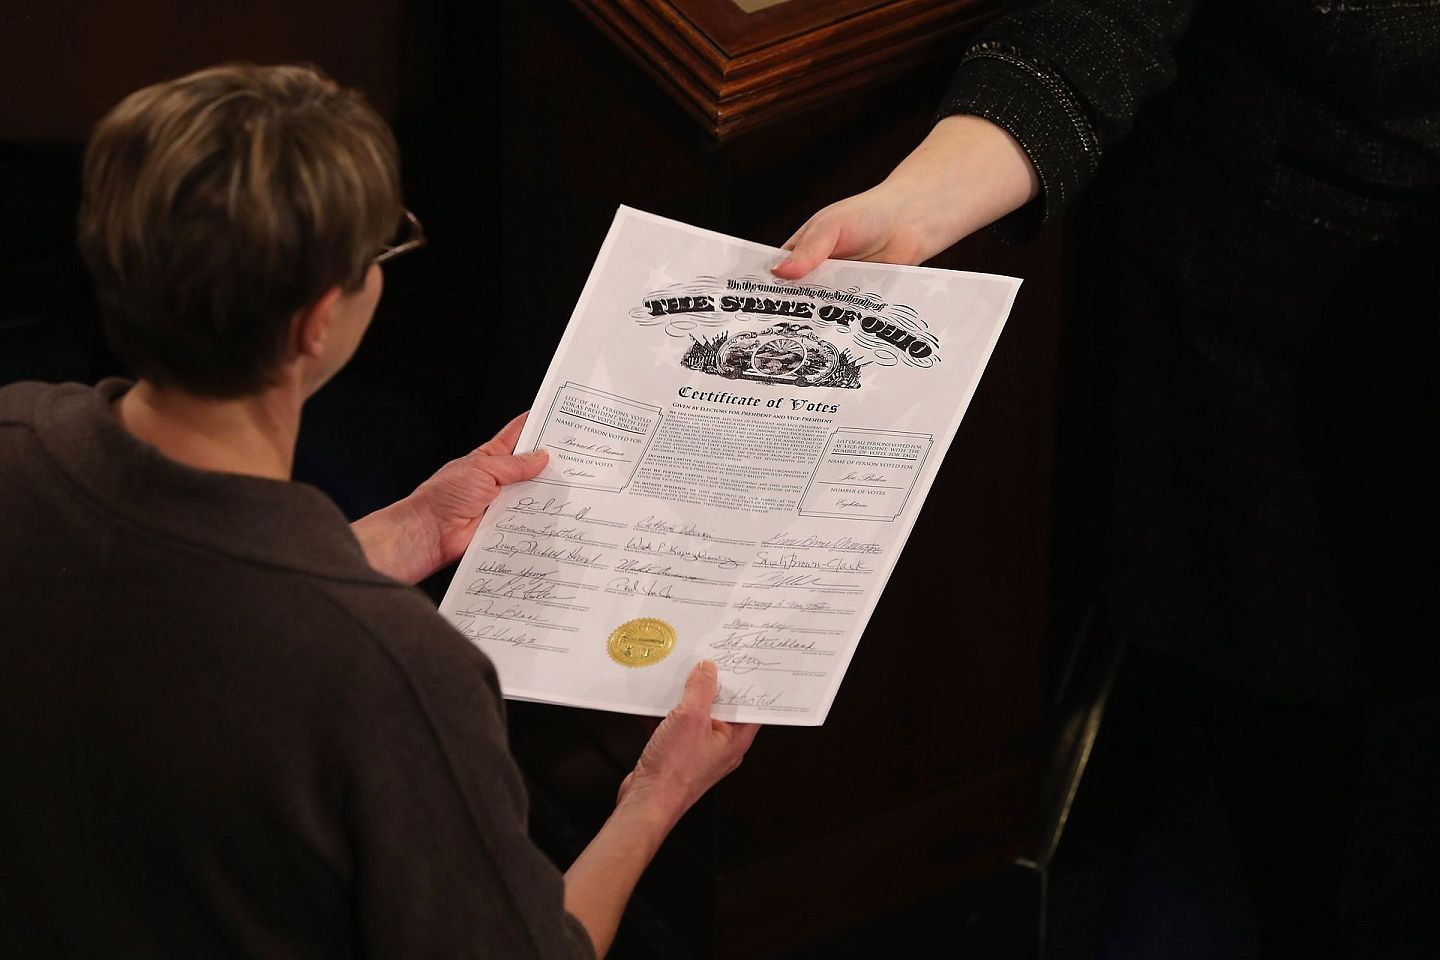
(225, 735)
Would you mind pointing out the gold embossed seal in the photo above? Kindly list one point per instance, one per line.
(642, 642)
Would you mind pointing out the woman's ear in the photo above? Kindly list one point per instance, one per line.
(310, 326)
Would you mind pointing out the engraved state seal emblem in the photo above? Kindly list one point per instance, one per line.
(788, 353)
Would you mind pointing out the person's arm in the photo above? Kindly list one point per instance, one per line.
(967, 173)
(1033, 105)
(414, 537)
(435, 808)
(687, 755)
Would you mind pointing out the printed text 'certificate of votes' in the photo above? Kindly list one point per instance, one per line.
(735, 464)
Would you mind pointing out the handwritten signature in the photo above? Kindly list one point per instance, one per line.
(553, 531)
(644, 588)
(760, 640)
(793, 561)
(499, 633)
(532, 548)
(741, 663)
(841, 545)
(748, 697)
(653, 524)
(595, 449)
(644, 545)
(489, 608)
(853, 477)
(751, 603)
(550, 506)
(518, 588)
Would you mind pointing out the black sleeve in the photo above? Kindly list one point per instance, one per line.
(1066, 78)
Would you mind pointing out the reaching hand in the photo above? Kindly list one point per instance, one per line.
(689, 752)
(413, 538)
(874, 225)
(965, 174)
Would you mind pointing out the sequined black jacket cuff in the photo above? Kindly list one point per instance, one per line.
(1066, 79)
(1041, 113)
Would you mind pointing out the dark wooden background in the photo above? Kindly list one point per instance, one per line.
(522, 127)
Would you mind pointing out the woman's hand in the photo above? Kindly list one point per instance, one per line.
(414, 537)
(688, 753)
(967, 173)
(882, 224)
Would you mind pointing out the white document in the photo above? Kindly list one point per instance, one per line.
(735, 464)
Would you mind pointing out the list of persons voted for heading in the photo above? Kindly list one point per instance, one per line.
(735, 462)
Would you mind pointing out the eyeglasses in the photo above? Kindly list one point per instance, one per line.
(414, 238)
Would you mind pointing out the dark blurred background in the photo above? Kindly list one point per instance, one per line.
(421, 388)
(922, 819)
(521, 128)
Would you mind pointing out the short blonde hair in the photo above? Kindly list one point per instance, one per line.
(217, 205)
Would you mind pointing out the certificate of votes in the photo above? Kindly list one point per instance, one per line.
(735, 464)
